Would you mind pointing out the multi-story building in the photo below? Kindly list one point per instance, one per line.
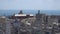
(46, 24)
(39, 23)
(21, 15)
(2, 25)
(30, 24)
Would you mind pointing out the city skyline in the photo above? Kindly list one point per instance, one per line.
(48, 12)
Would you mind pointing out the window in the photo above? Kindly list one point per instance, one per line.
(16, 31)
(46, 32)
(59, 26)
(1, 32)
(37, 32)
(59, 21)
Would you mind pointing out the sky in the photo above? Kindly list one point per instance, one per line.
(29, 4)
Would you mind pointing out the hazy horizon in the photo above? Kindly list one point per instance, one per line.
(11, 12)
